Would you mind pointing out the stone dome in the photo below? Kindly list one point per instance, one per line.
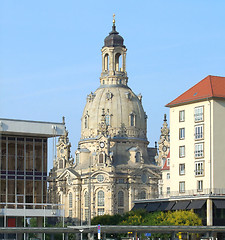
(122, 110)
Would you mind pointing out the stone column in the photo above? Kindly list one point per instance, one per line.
(209, 212)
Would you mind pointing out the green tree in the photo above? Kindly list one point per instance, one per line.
(107, 220)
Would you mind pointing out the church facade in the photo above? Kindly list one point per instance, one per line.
(113, 164)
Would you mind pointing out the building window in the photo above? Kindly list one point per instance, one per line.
(70, 200)
(182, 151)
(199, 132)
(106, 62)
(120, 199)
(100, 178)
(168, 175)
(132, 120)
(181, 116)
(77, 158)
(86, 214)
(101, 211)
(107, 120)
(86, 199)
(181, 187)
(168, 190)
(86, 122)
(138, 157)
(160, 191)
(200, 186)
(143, 195)
(101, 158)
(199, 150)
(181, 133)
(163, 161)
(182, 169)
(120, 211)
(120, 180)
(198, 114)
(70, 213)
(60, 164)
(199, 170)
(168, 162)
(101, 198)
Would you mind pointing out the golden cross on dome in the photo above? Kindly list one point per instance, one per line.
(114, 18)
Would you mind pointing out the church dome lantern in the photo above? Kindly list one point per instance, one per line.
(114, 39)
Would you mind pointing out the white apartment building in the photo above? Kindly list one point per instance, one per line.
(197, 153)
(197, 139)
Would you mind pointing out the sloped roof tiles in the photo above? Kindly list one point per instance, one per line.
(209, 87)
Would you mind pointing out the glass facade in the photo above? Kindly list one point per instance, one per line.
(23, 170)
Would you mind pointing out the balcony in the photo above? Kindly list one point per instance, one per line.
(31, 210)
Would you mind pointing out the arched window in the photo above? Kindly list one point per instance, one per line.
(101, 198)
(86, 199)
(118, 61)
(101, 158)
(60, 164)
(120, 199)
(106, 62)
(86, 122)
(132, 120)
(70, 200)
(143, 195)
(138, 157)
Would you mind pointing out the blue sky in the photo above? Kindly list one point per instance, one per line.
(50, 56)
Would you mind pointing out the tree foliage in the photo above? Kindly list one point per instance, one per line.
(141, 217)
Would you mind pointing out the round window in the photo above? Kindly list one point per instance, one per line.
(100, 178)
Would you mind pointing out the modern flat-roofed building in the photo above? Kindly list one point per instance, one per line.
(23, 170)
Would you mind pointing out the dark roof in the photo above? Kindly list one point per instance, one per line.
(114, 39)
(166, 206)
(139, 206)
(219, 203)
(151, 207)
(181, 205)
(196, 204)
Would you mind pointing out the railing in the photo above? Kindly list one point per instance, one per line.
(189, 193)
(32, 209)
(31, 205)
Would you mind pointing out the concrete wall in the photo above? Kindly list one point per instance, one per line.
(189, 142)
(218, 149)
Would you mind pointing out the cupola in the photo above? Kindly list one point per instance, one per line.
(113, 59)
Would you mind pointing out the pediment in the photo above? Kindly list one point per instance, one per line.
(146, 170)
(69, 171)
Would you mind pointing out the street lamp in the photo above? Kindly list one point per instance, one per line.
(81, 234)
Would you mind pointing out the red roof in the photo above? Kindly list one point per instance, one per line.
(166, 167)
(211, 86)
